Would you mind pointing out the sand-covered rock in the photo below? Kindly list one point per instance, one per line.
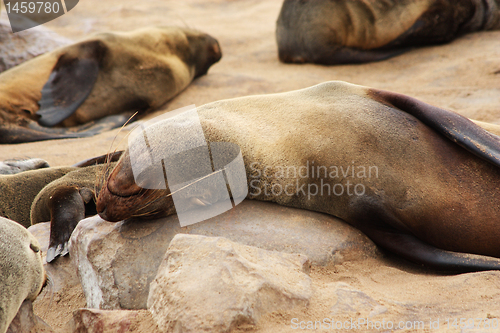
(26, 321)
(211, 284)
(117, 261)
(105, 321)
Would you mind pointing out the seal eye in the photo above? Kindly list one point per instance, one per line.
(35, 248)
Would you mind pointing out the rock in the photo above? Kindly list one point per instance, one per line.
(105, 321)
(211, 284)
(117, 261)
(24, 45)
(26, 321)
(354, 302)
(62, 273)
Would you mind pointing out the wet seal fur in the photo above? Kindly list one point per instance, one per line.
(435, 200)
(357, 31)
(21, 270)
(98, 83)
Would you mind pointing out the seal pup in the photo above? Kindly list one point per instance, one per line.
(432, 195)
(21, 269)
(357, 31)
(98, 79)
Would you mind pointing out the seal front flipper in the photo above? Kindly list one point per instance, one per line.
(70, 83)
(455, 127)
(103, 159)
(67, 208)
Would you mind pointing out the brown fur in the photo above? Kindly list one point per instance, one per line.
(88, 178)
(18, 191)
(66, 201)
(135, 71)
(21, 270)
(356, 31)
(431, 196)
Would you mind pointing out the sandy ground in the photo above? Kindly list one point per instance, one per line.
(463, 76)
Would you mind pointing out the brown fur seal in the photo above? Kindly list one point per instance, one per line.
(62, 195)
(420, 181)
(21, 270)
(66, 201)
(105, 77)
(356, 31)
(18, 191)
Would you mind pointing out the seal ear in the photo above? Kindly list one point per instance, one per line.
(70, 82)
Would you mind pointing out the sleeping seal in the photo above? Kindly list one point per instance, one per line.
(21, 270)
(104, 79)
(356, 31)
(420, 181)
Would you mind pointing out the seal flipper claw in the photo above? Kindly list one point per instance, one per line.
(67, 208)
(51, 254)
(54, 252)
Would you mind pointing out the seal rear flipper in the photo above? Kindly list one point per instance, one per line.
(417, 251)
(19, 134)
(70, 82)
(455, 127)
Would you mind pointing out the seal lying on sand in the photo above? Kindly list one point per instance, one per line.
(356, 31)
(97, 79)
(21, 270)
(420, 181)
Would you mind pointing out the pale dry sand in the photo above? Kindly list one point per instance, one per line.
(463, 76)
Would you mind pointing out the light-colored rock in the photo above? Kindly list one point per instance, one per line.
(26, 321)
(118, 261)
(355, 303)
(211, 284)
(62, 273)
(24, 45)
(105, 321)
